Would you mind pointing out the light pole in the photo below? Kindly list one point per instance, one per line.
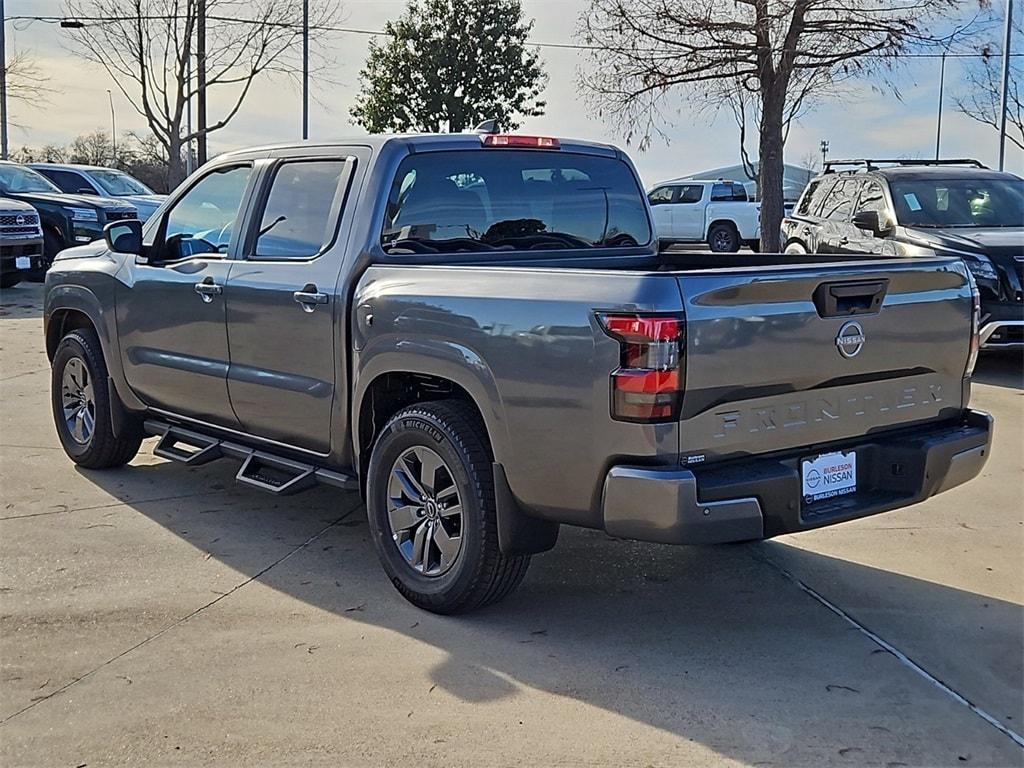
(938, 119)
(305, 69)
(1002, 97)
(3, 83)
(113, 128)
(824, 152)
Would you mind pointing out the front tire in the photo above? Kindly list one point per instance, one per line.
(795, 249)
(82, 408)
(432, 511)
(723, 238)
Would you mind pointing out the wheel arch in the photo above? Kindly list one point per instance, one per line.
(723, 222)
(389, 391)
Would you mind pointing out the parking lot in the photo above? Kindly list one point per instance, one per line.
(163, 615)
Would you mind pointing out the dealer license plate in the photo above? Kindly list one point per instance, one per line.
(828, 475)
(23, 262)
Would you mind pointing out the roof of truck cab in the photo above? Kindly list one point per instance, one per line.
(414, 141)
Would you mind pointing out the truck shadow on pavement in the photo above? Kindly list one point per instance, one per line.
(715, 644)
(1001, 369)
(23, 300)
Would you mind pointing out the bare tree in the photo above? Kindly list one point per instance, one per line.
(980, 98)
(27, 86)
(147, 47)
(94, 148)
(774, 50)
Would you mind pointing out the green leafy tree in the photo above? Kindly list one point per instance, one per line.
(448, 65)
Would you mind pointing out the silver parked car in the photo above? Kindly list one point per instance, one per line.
(106, 182)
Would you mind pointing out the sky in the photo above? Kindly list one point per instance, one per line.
(867, 120)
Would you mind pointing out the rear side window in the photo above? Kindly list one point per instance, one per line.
(302, 210)
(839, 203)
(812, 197)
(721, 193)
(511, 200)
(691, 193)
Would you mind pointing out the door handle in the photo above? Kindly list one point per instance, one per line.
(207, 289)
(309, 297)
(844, 240)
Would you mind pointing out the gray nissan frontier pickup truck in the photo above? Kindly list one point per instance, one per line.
(478, 333)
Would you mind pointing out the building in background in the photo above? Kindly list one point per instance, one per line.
(794, 179)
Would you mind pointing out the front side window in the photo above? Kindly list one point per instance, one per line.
(962, 202)
(872, 198)
(513, 200)
(301, 215)
(203, 219)
(68, 181)
(17, 178)
(661, 195)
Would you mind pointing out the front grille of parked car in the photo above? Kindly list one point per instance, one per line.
(11, 219)
(121, 215)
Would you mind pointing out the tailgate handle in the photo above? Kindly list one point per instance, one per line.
(851, 298)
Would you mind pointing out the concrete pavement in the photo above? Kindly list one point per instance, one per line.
(163, 615)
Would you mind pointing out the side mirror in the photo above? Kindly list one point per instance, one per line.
(879, 226)
(124, 236)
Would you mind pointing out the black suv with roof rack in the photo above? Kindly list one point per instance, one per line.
(924, 208)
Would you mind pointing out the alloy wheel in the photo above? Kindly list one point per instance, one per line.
(78, 401)
(425, 511)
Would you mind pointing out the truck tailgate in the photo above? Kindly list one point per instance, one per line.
(788, 356)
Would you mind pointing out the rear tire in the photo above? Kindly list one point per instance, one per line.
(795, 249)
(723, 238)
(9, 280)
(430, 459)
(81, 405)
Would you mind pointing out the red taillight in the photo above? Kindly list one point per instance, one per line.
(647, 386)
(515, 140)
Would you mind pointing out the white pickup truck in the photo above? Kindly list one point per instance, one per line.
(716, 212)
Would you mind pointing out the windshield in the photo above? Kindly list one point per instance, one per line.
(16, 178)
(959, 202)
(118, 183)
(503, 200)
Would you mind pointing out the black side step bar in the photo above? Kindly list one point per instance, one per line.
(260, 469)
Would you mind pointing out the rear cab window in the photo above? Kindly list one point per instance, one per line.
(466, 201)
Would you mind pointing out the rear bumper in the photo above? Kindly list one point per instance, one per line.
(761, 498)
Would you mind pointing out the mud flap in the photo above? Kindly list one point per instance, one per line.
(519, 534)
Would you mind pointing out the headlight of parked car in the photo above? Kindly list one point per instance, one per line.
(981, 268)
(83, 214)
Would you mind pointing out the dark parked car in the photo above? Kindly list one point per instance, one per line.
(21, 241)
(925, 208)
(479, 333)
(107, 182)
(67, 220)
